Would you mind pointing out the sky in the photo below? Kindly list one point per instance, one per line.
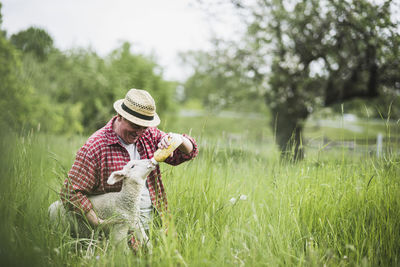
(162, 28)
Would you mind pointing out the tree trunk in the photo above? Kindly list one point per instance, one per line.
(289, 134)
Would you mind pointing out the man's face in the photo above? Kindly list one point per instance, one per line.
(128, 131)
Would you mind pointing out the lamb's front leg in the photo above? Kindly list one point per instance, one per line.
(140, 236)
(119, 236)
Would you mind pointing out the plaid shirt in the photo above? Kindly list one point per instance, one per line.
(102, 154)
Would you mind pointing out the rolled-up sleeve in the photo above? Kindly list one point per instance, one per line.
(81, 180)
(179, 156)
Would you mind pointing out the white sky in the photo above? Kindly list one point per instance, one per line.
(159, 27)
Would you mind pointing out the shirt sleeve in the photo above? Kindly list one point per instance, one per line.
(81, 180)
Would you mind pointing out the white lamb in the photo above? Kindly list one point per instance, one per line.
(122, 206)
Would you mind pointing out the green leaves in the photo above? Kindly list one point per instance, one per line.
(14, 101)
(70, 92)
(33, 40)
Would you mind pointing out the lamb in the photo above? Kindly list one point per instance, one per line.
(122, 206)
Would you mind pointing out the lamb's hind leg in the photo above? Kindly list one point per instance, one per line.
(62, 219)
(58, 216)
(56, 212)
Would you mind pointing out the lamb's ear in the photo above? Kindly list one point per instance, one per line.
(115, 177)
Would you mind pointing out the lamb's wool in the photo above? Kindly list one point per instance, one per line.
(121, 206)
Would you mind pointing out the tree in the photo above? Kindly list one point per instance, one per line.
(73, 93)
(75, 89)
(33, 40)
(128, 70)
(324, 52)
(222, 79)
(15, 101)
(317, 53)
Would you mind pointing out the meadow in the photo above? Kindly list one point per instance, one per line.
(236, 204)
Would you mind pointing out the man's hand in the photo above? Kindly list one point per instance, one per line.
(95, 221)
(167, 139)
(108, 223)
(92, 218)
(185, 147)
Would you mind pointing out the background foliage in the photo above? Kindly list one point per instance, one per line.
(302, 56)
(295, 58)
(70, 92)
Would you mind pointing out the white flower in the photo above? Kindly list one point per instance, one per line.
(234, 200)
(57, 251)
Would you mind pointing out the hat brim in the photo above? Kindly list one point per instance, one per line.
(146, 123)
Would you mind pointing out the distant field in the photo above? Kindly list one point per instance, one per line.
(236, 204)
(254, 130)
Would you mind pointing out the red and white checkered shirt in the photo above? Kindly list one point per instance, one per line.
(102, 154)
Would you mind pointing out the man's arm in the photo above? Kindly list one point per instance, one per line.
(81, 180)
(186, 146)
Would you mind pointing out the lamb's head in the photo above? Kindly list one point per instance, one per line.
(135, 170)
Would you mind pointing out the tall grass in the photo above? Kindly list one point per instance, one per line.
(236, 204)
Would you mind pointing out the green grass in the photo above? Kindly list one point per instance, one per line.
(210, 126)
(330, 209)
(360, 130)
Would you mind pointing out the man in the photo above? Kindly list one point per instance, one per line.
(131, 134)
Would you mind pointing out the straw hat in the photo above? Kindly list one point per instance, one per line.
(138, 107)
